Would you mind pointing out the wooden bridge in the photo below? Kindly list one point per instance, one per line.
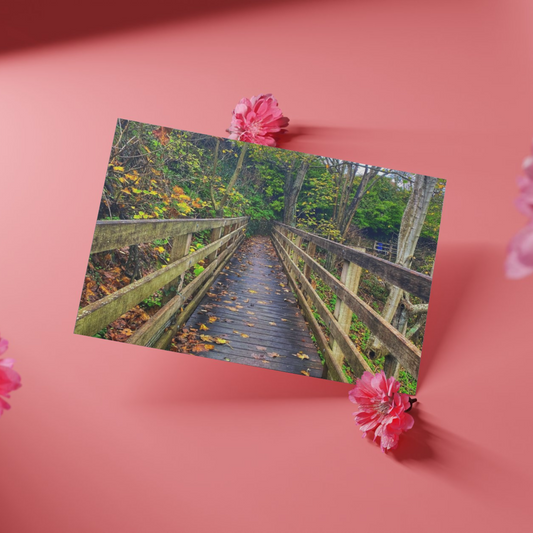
(255, 302)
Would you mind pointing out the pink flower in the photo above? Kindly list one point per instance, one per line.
(9, 379)
(258, 120)
(381, 408)
(519, 263)
(524, 202)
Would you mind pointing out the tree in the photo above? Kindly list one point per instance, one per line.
(218, 207)
(292, 187)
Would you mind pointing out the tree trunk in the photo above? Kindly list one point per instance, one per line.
(346, 206)
(292, 188)
(232, 181)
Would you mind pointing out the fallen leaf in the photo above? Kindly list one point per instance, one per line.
(273, 354)
(218, 340)
(213, 319)
(200, 347)
(206, 338)
(262, 302)
(231, 308)
(250, 324)
(272, 323)
(253, 292)
(301, 355)
(244, 336)
(304, 372)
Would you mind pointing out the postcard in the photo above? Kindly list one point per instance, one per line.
(261, 256)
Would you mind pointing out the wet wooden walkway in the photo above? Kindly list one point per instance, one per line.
(250, 316)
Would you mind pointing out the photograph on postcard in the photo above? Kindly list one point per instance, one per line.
(261, 256)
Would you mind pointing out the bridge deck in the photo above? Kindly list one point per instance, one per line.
(252, 316)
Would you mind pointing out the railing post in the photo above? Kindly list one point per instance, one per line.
(180, 247)
(311, 251)
(297, 242)
(216, 234)
(350, 277)
(391, 366)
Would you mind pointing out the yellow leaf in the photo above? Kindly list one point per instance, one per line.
(253, 292)
(212, 319)
(304, 372)
(203, 327)
(218, 340)
(120, 169)
(244, 336)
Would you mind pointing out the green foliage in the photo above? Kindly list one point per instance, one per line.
(153, 300)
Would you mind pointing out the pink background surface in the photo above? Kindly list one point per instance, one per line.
(110, 438)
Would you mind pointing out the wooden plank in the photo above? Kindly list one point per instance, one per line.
(408, 280)
(403, 349)
(269, 333)
(99, 314)
(180, 248)
(273, 364)
(332, 367)
(152, 330)
(351, 353)
(168, 335)
(113, 234)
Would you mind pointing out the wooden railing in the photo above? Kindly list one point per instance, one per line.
(288, 243)
(226, 235)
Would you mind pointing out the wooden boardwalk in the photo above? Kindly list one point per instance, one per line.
(252, 316)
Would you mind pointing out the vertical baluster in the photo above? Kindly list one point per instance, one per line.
(216, 233)
(350, 277)
(180, 247)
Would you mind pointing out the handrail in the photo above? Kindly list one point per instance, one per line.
(410, 281)
(101, 313)
(348, 348)
(404, 351)
(114, 234)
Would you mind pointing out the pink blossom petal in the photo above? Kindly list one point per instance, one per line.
(381, 408)
(519, 262)
(4, 344)
(527, 166)
(258, 120)
(9, 379)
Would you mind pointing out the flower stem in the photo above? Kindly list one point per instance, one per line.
(411, 401)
